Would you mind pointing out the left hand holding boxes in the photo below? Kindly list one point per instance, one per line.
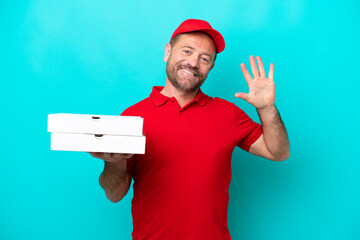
(96, 133)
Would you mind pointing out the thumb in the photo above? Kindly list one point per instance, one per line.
(242, 96)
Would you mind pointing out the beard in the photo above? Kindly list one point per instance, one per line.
(184, 84)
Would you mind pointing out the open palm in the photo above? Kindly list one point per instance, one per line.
(261, 89)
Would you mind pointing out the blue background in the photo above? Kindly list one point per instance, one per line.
(99, 57)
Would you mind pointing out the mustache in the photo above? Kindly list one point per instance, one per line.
(191, 68)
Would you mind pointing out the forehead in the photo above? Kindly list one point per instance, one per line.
(197, 40)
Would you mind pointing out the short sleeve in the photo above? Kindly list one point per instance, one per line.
(247, 130)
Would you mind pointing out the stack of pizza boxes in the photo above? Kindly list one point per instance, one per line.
(96, 133)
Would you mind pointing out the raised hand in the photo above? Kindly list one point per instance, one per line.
(261, 89)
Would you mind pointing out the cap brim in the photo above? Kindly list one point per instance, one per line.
(217, 37)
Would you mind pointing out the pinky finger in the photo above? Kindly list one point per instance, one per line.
(271, 72)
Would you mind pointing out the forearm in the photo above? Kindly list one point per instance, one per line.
(274, 132)
(115, 180)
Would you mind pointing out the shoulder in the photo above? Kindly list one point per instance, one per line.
(226, 105)
(222, 101)
(231, 110)
(138, 108)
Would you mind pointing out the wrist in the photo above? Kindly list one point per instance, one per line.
(266, 108)
(115, 166)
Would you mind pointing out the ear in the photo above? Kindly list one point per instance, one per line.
(167, 52)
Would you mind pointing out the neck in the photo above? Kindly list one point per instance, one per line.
(183, 98)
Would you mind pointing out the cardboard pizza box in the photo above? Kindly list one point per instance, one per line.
(95, 124)
(96, 133)
(98, 143)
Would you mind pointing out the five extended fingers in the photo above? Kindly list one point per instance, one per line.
(257, 72)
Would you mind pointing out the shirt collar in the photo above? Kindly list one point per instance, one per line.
(159, 99)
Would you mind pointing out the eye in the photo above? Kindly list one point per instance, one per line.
(186, 51)
(205, 60)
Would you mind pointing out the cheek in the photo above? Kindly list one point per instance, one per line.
(173, 60)
(206, 70)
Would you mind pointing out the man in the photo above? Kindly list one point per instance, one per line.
(181, 182)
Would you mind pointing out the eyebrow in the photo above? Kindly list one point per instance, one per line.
(194, 48)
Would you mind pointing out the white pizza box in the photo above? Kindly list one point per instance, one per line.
(97, 143)
(95, 124)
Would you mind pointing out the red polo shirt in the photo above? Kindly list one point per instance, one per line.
(181, 182)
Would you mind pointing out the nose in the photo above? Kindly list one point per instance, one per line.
(194, 60)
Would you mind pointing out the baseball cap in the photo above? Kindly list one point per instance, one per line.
(191, 25)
